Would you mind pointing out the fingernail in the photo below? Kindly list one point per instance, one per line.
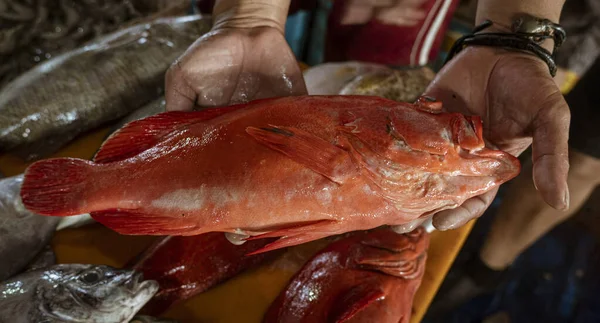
(566, 200)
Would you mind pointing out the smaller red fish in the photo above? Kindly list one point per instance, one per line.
(366, 277)
(187, 266)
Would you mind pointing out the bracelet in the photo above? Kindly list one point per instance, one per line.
(528, 33)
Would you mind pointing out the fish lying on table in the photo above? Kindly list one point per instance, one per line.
(74, 293)
(187, 266)
(79, 90)
(404, 85)
(23, 234)
(32, 32)
(365, 277)
(298, 168)
(331, 78)
(44, 259)
(348, 78)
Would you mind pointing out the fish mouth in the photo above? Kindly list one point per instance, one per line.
(136, 284)
(139, 292)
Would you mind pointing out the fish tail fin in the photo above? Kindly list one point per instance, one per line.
(55, 186)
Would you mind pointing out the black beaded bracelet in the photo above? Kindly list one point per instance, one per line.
(526, 39)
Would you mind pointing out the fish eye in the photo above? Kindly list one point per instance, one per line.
(91, 277)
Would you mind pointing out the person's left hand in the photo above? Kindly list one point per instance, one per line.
(520, 104)
(236, 62)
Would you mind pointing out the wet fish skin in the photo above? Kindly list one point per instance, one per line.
(296, 168)
(152, 108)
(23, 234)
(187, 266)
(368, 276)
(74, 293)
(100, 82)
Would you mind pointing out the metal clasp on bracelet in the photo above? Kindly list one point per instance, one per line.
(538, 30)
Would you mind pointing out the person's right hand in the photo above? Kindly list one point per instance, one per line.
(234, 63)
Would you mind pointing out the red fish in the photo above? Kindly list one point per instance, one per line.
(366, 277)
(299, 168)
(187, 266)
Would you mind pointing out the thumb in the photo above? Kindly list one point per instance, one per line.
(550, 152)
(470, 209)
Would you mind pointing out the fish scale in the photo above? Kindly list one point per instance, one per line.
(95, 84)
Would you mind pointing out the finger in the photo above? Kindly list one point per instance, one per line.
(408, 227)
(470, 209)
(551, 152)
(179, 96)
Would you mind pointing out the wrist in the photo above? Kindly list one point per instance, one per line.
(504, 12)
(251, 14)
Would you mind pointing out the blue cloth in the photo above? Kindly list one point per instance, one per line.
(555, 281)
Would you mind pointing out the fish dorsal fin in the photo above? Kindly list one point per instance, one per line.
(140, 135)
(355, 300)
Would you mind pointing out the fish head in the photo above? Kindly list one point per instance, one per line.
(399, 255)
(413, 128)
(423, 159)
(93, 293)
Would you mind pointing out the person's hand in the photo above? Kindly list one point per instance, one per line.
(238, 61)
(519, 103)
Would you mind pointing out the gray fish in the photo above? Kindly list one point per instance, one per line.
(22, 234)
(44, 259)
(154, 107)
(100, 82)
(74, 293)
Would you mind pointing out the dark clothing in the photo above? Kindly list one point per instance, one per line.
(584, 101)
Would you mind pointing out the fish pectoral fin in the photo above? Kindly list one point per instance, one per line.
(130, 222)
(351, 302)
(140, 135)
(307, 149)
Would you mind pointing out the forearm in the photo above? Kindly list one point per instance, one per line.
(251, 13)
(502, 12)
